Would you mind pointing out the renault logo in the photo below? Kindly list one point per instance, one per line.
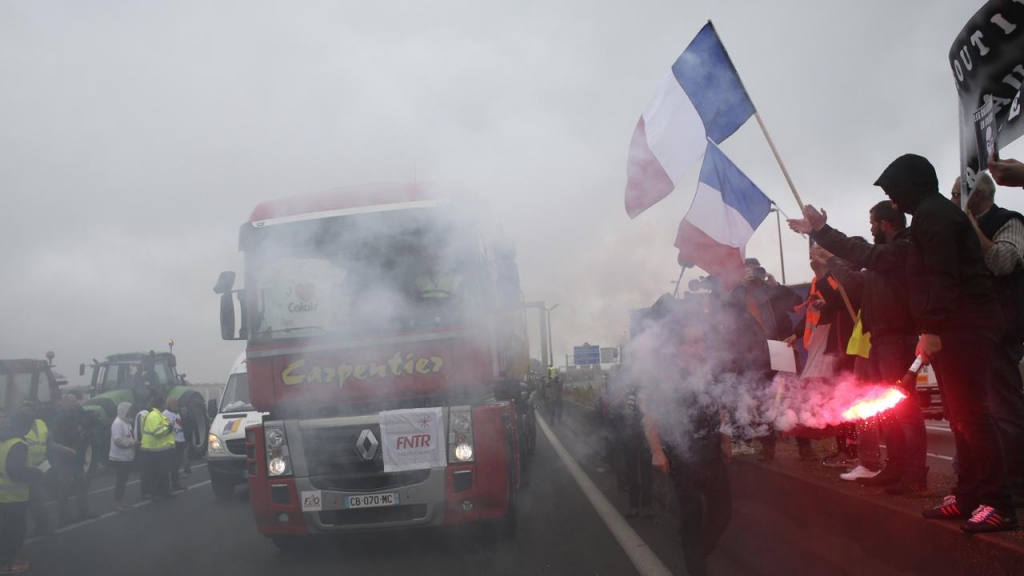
(367, 445)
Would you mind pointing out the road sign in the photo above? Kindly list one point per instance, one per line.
(586, 354)
(609, 355)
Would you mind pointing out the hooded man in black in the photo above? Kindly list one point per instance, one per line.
(958, 316)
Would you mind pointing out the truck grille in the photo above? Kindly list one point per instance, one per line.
(334, 464)
(236, 446)
(373, 515)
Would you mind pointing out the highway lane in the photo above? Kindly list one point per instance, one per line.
(560, 532)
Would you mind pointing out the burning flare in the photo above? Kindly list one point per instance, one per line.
(877, 402)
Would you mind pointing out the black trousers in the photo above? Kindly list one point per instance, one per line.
(176, 460)
(71, 480)
(122, 470)
(1006, 402)
(639, 471)
(556, 411)
(13, 518)
(156, 472)
(963, 369)
(705, 508)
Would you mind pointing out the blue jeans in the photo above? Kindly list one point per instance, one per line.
(905, 436)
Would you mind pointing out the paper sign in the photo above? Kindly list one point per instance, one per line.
(413, 439)
(44, 466)
(783, 357)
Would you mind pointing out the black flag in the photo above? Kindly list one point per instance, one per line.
(987, 61)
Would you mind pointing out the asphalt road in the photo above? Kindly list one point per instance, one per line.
(560, 532)
(941, 447)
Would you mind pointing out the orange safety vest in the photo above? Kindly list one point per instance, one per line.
(813, 315)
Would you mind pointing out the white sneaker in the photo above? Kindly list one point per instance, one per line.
(859, 472)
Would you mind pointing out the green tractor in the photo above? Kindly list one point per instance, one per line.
(134, 377)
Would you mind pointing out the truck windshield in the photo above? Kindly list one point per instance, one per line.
(126, 375)
(359, 275)
(236, 394)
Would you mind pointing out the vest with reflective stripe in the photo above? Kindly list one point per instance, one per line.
(10, 491)
(36, 440)
(157, 433)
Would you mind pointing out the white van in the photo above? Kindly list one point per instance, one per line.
(226, 455)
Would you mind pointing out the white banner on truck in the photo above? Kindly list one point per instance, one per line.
(413, 439)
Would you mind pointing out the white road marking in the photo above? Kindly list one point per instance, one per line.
(943, 429)
(644, 559)
(77, 525)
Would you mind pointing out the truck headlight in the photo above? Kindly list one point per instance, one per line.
(464, 452)
(275, 437)
(215, 445)
(461, 423)
(277, 467)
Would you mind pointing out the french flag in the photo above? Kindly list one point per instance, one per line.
(726, 210)
(701, 98)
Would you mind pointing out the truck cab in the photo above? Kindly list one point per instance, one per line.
(225, 457)
(361, 308)
(28, 381)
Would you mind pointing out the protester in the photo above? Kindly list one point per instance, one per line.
(959, 319)
(836, 317)
(122, 452)
(171, 413)
(73, 428)
(554, 398)
(38, 442)
(769, 303)
(637, 455)
(886, 316)
(683, 427)
(157, 450)
(16, 475)
(1007, 172)
(1001, 234)
(609, 415)
(137, 426)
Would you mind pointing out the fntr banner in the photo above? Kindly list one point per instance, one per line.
(987, 60)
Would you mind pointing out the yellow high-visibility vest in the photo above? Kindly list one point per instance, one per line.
(157, 432)
(10, 491)
(36, 440)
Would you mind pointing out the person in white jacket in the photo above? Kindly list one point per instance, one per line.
(122, 451)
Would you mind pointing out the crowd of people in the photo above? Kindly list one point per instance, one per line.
(948, 288)
(34, 449)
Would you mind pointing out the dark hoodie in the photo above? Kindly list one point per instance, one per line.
(949, 286)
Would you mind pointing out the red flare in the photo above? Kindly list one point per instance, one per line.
(879, 402)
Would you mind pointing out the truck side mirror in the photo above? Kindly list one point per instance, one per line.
(225, 282)
(81, 369)
(211, 408)
(227, 316)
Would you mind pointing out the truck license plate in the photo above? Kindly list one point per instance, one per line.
(372, 500)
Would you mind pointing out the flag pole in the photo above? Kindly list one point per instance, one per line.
(778, 158)
(760, 122)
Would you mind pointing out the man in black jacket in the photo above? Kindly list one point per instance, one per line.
(959, 319)
(885, 313)
(1001, 234)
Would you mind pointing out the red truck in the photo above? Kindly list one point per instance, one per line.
(366, 310)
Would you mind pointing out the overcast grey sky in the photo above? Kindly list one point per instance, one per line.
(136, 138)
